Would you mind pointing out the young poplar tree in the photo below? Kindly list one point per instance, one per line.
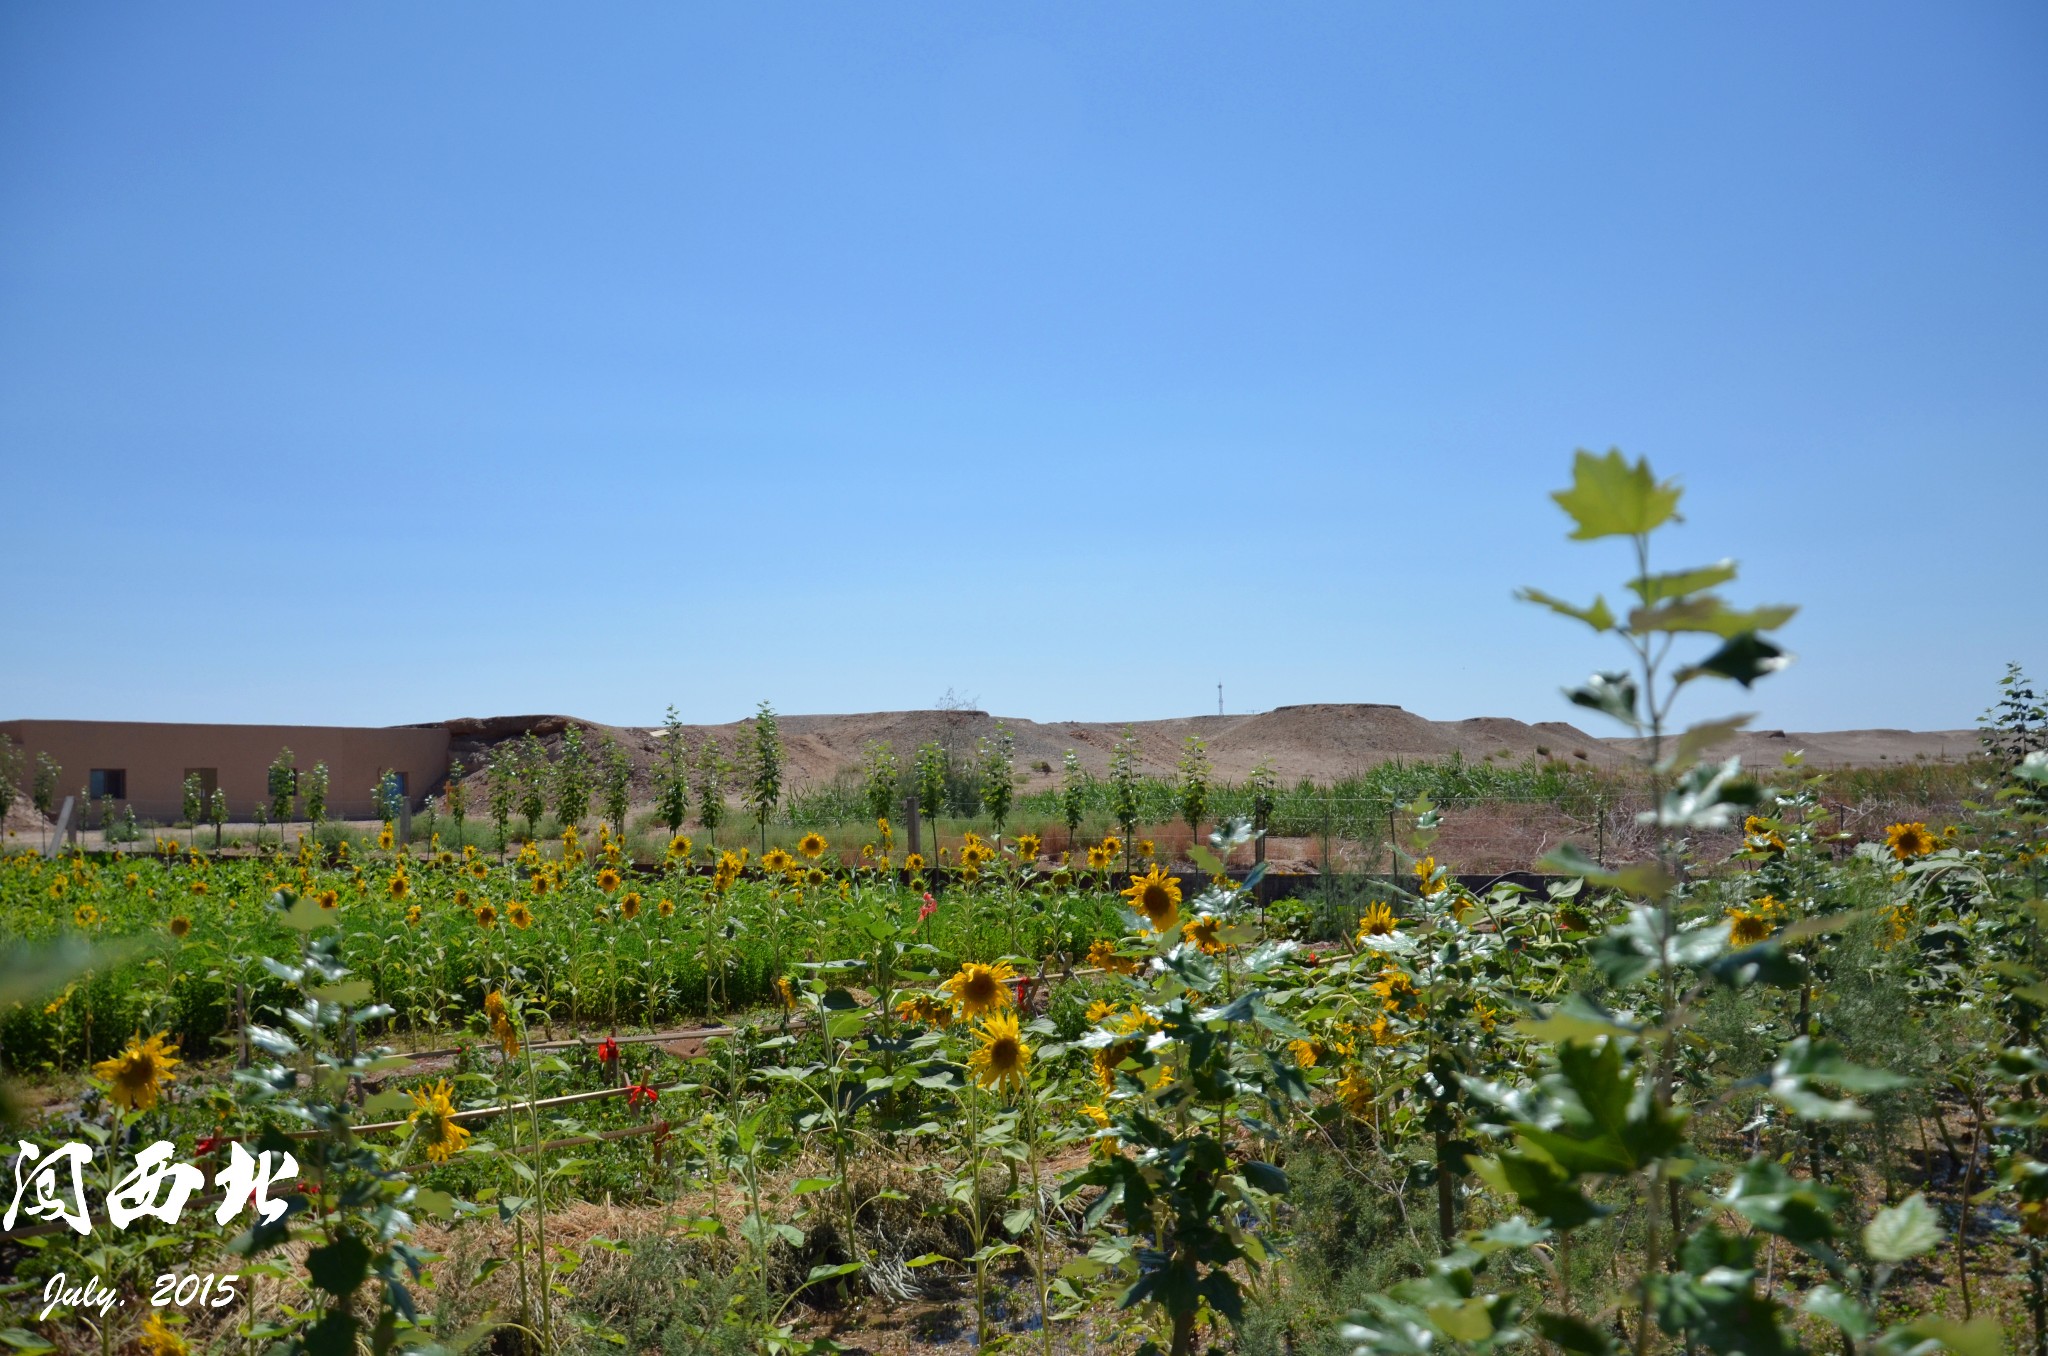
(43, 794)
(928, 774)
(317, 781)
(282, 783)
(502, 788)
(14, 765)
(616, 771)
(1073, 794)
(764, 769)
(672, 775)
(1193, 790)
(456, 797)
(572, 780)
(712, 769)
(879, 774)
(533, 782)
(217, 814)
(1123, 788)
(192, 804)
(998, 759)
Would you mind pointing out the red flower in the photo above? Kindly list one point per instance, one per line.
(636, 1093)
(607, 1051)
(928, 908)
(207, 1145)
(1024, 983)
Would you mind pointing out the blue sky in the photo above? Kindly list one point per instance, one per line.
(387, 363)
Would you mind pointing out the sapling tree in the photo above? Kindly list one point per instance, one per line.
(533, 782)
(928, 774)
(1074, 783)
(281, 783)
(1124, 788)
(1192, 787)
(672, 775)
(713, 771)
(456, 797)
(14, 765)
(764, 769)
(572, 780)
(1261, 784)
(615, 769)
(502, 787)
(997, 758)
(43, 793)
(192, 802)
(318, 781)
(217, 814)
(880, 773)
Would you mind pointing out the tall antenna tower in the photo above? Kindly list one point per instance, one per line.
(1219, 699)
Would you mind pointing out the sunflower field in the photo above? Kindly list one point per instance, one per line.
(1784, 1096)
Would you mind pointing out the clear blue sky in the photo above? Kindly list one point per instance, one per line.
(388, 362)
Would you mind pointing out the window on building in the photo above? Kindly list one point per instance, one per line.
(108, 781)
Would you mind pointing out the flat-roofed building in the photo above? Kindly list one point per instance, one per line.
(144, 764)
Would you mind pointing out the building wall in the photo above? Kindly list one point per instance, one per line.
(157, 756)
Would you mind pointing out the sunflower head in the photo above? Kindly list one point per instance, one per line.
(399, 886)
(1103, 956)
(486, 916)
(519, 916)
(679, 849)
(1156, 896)
(136, 1076)
(159, 1338)
(629, 906)
(1099, 858)
(1377, 921)
(1112, 844)
(179, 927)
(979, 988)
(433, 1121)
(1203, 932)
(1028, 846)
(608, 879)
(412, 916)
(1426, 881)
(1002, 1060)
(1908, 841)
(1355, 1094)
(914, 862)
(665, 907)
(811, 845)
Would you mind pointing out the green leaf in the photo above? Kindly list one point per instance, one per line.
(1697, 739)
(1656, 588)
(1978, 1337)
(1844, 1311)
(1611, 693)
(1902, 1231)
(1574, 1335)
(805, 1186)
(23, 1340)
(339, 1267)
(1708, 615)
(1017, 1221)
(1610, 498)
(1598, 615)
(348, 991)
(1744, 658)
(303, 915)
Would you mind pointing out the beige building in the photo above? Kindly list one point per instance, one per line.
(144, 764)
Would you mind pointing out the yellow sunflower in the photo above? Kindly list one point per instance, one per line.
(179, 926)
(775, 861)
(1103, 956)
(386, 838)
(85, 915)
(1304, 1053)
(1146, 849)
(1377, 921)
(486, 917)
(433, 1121)
(159, 1338)
(608, 880)
(679, 849)
(1202, 932)
(665, 907)
(1003, 1059)
(399, 887)
(785, 993)
(1112, 844)
(519, 916)
(979, 988)
(812, 845)
(412, 916)
(1157, 897)
(1908, 841)
(1027, 846)
(1355, 1094)
(1100, 1009)
(137, 1075)
(1099, 858)
(1425, 877)
(629, 905)
(814, 876)
(914, 862)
